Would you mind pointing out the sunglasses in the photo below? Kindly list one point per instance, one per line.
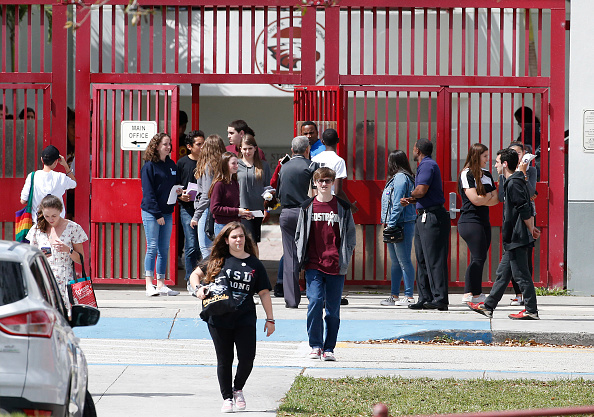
(325, 181)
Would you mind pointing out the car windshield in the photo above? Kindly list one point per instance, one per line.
(12, 288)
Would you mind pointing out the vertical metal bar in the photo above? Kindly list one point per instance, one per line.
(463, 68)
(501, 42)
(539, 53)
(375, 110)
(139, 48)
(437, 41)
(419, 115)
(489, 42)
(15, 63)
(265, 67)
(113, 38)
(412, 40)
(425, 40)
(387, 41)
(278, 30)
(253, 41)
(227, 52)
(240, 43)
(42, 38)
(475, 56)
(126, 44)
(501, 118)
(100, 41)
(400, 41)
(451, 39)
(429, 115)
(527, 42)
(202, 40)
(523, 134)
(355, 135)
(397, 113)
(386, 131)
(4, 120)
(365, 135)
(361, 41)
(29, 41)
(25, 126)
(349, 39)
(164, 39)
(514, 40)
(4, 37)
(374, 17)
(14, 132)
(408, 119)
(189, 51)
(511, 125)
(176, 40)
(151, 37)
(480, 117)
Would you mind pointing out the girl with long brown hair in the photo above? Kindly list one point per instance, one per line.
(253, 175)
(478, 192)
(233, 256)
(60, 240)
(224, 194)
(207, 167)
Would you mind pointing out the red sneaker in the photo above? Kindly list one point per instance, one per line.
(524, 315)
(481, 309)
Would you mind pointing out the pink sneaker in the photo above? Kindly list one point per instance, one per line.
(238, 399)
(227, 406)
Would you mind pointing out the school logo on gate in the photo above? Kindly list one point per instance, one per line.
(277, 49)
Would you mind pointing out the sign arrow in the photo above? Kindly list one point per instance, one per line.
(137, 143)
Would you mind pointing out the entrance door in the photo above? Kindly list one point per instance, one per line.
(21, 142)
(118, 244)
(486, 115)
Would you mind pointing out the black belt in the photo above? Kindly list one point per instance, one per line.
(431, 209)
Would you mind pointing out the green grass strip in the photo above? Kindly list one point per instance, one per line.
(356, 396)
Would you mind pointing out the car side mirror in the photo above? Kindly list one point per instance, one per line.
(83, 315)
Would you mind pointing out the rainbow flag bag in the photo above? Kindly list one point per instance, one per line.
(23, 217)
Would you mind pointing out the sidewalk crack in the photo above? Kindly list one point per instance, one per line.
(111, 385)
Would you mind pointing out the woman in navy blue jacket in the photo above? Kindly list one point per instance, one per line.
(158, 176)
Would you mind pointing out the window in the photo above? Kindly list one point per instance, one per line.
(12, 287)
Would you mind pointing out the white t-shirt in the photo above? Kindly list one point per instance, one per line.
(44, 183)
(331, 160)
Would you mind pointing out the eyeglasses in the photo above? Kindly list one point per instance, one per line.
(324, 181)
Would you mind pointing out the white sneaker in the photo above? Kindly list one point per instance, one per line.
(404, 301)
(328, 356)
(151, 291)
(467, 298)
(390, 301)
(517, 301)
(239, 399)
(191, 291)
(165, 290)
(479, 298)
(227, 406)
(315, 353)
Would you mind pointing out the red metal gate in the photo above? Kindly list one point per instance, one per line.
(117, 238)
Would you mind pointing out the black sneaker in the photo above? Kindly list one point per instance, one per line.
(344, 301)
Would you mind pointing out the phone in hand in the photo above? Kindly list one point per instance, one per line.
(285, 159)
(47, 250)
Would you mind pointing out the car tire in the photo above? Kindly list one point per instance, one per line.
(89, 410)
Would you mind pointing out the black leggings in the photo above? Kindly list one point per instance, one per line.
(478, 240)
(244, 339)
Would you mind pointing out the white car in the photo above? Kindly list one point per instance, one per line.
(43, 371)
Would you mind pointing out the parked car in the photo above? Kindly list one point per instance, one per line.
(43, 371)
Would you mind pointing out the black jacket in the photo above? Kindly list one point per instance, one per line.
(516, 209)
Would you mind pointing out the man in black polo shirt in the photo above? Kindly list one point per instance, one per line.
(432, 231)
(294, 180)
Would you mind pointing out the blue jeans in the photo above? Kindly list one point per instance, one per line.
(191, 241)
(401, 264)
(322, 288)
(205, 242)
(157, 243)
(218, 227)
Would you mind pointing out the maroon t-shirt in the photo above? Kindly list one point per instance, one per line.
(324, 238)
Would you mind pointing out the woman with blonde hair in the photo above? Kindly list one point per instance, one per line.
(158, 176)
(233, 257)
(59, 239)
(478, 192)
(207, 167)
(253, 175)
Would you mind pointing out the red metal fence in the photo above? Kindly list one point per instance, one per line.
(403, 68)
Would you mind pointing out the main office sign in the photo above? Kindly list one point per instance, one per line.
(136, 134)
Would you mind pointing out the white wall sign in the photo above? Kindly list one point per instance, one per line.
(136, 134)
(588, 140)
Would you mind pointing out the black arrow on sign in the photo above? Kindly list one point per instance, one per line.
(137, 143)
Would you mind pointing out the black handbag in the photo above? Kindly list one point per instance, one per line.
(219, 299)
(393, 234)
(209, 226)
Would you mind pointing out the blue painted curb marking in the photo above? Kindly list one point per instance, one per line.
(287, 330)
